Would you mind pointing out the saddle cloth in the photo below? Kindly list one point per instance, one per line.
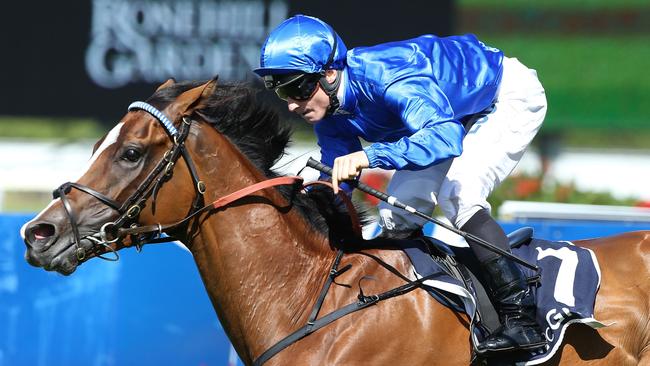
(570, 278)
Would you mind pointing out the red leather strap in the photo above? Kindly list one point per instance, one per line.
(254, 188)
(225, 200)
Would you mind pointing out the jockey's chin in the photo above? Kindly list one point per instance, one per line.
(312, 117)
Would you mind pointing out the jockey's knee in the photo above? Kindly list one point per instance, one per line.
(467, 213)
(459, 210)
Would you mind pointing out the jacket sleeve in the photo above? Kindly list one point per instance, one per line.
(334, 143)
(425, 110)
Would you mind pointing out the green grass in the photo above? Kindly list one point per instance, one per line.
(556, 4)
(49, 128)
(25, 201)
(590, 82)
(603, 138)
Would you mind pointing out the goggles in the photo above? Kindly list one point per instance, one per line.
(294, 86)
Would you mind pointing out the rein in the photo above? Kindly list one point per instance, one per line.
(218, 204)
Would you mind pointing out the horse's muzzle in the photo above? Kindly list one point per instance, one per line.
(46, 250)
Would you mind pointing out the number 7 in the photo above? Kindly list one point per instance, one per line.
(566, 275)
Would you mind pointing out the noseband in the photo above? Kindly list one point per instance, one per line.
(129, 211)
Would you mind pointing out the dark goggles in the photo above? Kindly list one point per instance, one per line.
(294, 86)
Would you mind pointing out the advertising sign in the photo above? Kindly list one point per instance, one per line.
(89, 58)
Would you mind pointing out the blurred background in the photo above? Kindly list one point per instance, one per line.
(70, 69)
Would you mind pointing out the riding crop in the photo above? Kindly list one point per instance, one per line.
(396, 203)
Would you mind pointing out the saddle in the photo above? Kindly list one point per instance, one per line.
(428, 254)
(452, 276)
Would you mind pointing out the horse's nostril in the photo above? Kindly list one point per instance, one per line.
(43, 231)
(40, 233)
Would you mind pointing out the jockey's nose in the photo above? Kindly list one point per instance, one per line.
(292, 105)
(40, 235)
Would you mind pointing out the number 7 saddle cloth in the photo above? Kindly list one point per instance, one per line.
(565, 288)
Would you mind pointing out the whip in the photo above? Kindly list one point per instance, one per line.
(393, 201)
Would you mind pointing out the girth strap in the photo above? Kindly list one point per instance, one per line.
(307, 329)
(315, 324)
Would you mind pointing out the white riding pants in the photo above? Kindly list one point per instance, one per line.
(491, 149)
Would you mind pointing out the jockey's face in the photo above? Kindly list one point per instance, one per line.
(313, 109)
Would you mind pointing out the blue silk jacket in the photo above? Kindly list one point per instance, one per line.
(408, 98)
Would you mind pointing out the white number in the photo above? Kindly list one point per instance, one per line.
(566, 275)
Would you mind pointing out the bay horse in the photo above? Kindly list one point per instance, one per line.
(265, 256)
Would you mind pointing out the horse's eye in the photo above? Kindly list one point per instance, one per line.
(131, 155)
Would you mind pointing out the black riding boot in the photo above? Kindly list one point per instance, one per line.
(515, 304)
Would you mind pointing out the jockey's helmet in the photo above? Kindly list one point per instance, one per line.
(296, 55)
(301, 44)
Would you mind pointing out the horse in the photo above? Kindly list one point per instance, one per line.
(265, 255)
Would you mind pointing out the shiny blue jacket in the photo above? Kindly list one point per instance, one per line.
(409, 98)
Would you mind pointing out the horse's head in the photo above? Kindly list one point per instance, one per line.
(128, 167)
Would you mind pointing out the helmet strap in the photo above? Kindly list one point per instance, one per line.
(331, 89)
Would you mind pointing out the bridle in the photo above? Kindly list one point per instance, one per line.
(130, 209)
(111, 234)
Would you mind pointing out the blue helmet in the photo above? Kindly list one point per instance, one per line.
(301, 44)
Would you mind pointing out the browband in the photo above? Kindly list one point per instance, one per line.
(169, 126)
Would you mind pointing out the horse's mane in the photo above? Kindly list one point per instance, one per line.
(257, 130)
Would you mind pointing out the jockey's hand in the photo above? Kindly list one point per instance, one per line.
(348, 167)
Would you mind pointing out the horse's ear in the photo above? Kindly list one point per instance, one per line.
(166, 84)
(189, 98)
(209, 87)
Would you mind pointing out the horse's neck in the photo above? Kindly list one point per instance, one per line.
(261, 267)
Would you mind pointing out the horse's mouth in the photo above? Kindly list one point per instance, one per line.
(57, 258)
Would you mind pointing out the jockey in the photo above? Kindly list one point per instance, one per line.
(451, 115)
